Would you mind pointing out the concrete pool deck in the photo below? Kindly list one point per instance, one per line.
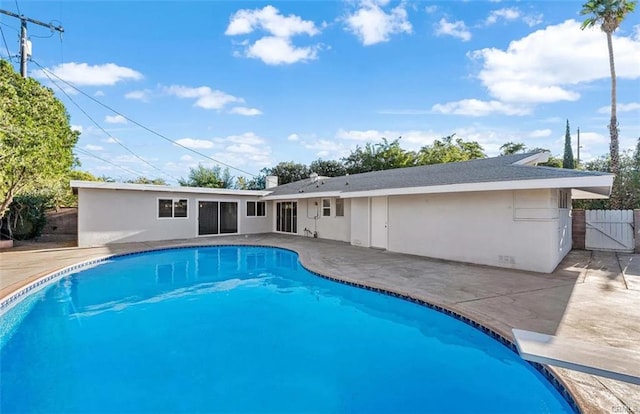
(592, 296)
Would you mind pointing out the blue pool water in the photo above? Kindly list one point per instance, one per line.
(247, 329)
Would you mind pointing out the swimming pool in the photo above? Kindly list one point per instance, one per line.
(247, 329)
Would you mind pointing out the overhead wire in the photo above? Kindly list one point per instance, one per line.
(141, 125)
(6, 45)
(18, 7)
(85, 152)
(116, 140)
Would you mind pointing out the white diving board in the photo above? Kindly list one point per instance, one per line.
(602, 360)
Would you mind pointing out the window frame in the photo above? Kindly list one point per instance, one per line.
(341, 202)
(256, 208)
(326, 210)
(174, 201)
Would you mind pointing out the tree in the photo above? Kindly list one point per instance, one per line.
(145, 180)
(36, 139)
(567, 161)
(609, 14)
(511, 148)
(376, 157)
(628, 190)
(288, 172)
(328, 168)
(448, 150)
(213, 177)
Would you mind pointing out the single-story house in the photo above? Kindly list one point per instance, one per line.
(503, 211)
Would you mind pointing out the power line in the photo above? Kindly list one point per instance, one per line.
(85, 152)
(116, 140)
(18, 7)
(141, 125)
(5, 44)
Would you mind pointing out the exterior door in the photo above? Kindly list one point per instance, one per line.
(207, 217)
(287, 217)
(379, 222)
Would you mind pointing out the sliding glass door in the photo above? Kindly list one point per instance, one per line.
(287, 217)
(217, 217)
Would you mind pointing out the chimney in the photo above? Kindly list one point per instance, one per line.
(270, 181)
(313, 177)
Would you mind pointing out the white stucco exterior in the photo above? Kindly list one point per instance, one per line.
(108, 216)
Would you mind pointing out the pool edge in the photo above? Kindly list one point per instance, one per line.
(38, 282)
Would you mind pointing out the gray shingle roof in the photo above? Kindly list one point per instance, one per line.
(474, 171)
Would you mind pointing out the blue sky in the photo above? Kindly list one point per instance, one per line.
(254, 83)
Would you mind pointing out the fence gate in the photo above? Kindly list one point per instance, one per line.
(609, 230)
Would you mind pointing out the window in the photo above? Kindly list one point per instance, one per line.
(172, 208)
(256, 209)
(326, 207)
(339, 207)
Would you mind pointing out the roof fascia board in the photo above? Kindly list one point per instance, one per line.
(602, 181)
(296, 196)
(100, 185)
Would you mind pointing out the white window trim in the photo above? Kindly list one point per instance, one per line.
(256, 216)
(173, 200)
(322, 207)
(218, 200)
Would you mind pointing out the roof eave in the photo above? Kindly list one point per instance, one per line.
(102, 185)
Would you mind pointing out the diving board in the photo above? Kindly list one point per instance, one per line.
(602, 360)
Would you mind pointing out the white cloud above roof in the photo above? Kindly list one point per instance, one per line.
(276, 47)
(475, 107)
(546, 65)
(372, 24)
(83, 74)
(205, 97)
(621, 107)
(195, 143)
(115, 119)
(243, 110)
(456, 29)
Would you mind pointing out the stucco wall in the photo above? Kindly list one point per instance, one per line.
(513, 229)
(118, 216)
(332, 227)
(360, 213)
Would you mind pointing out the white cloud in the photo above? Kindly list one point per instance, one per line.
(546, 65)
(456, 29)
(411, 139)
(532, 19)
(78, 128)
(403, 112)
(110, 140)
(621, 107)
(431, 9)
(243, 110)
(91, 147)
(276, 48)
(186, 158)
(195, 143)
(475, 107)
(328, 149)
(507, 13)
(206, 97)
(98, 93)
(269, 19)
(293, 137)
(83, 74)
(371, 24)
(540, 133)
(247, 149)
(115, 119)
(139, 95)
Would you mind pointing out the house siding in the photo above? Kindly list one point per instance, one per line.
(513, 229)
(108, 216)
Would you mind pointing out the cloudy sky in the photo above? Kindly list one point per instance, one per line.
(251, 84)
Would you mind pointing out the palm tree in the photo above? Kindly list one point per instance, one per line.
(609, 14)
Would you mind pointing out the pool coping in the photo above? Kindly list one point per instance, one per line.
(13, 298)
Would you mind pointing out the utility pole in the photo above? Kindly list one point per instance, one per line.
(25, 44)
(578, 159)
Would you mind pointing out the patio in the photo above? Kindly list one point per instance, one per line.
(592, 296)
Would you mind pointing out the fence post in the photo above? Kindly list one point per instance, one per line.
(578, 229)
(636, 229)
